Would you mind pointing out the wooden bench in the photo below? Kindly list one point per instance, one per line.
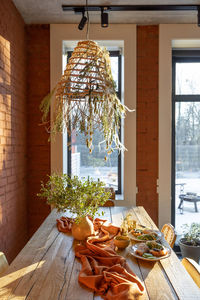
(189, 197)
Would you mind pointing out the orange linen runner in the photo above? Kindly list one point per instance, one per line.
(103, 270)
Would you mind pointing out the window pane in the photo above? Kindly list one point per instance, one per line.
(187, 133)
(83, 163)
(114, 68)
(187, 78)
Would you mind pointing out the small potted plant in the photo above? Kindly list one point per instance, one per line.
(82, 198)
(190, 243)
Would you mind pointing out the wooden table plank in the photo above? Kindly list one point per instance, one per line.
(106, 216)
(117, 214)
(153, 272)
(75, 290)
(57, 270)
(30, 258)
(185, 288)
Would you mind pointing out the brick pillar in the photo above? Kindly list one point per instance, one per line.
(38, 147)
(147, 118)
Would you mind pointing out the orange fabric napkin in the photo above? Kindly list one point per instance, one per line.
(103, 270)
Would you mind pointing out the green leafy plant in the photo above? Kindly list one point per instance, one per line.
(81, 198)
(192, 234)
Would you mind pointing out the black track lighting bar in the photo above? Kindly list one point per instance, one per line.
(79, 9)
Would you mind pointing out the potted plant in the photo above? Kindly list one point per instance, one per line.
(190, 243)
(82, 198)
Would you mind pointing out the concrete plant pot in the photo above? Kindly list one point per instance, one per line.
(189, 251)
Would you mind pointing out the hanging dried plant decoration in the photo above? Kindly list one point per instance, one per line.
(85, 98)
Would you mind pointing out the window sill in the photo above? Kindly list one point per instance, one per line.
(119, 197)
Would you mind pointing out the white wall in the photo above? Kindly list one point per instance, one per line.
(126, 33)
(169, 34)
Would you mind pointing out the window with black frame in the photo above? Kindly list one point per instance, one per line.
(185, 137)
(82, 163)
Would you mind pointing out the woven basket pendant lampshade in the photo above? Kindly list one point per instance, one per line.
(88, 73)
(85, 97)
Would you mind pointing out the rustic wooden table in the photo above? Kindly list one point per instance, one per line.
(46, 268)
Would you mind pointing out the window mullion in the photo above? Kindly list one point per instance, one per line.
(186, 98)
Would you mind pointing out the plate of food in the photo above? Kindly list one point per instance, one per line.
(150, 251)
(143, 235)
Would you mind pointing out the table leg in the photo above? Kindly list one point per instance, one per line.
(195, 206)
(180, 206)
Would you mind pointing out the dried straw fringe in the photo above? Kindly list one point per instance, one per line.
(86, 99)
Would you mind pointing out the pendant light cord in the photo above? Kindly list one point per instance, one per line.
(88, 21)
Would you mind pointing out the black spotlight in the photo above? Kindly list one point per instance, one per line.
(198, 17)
(104, 18)
(82, 22)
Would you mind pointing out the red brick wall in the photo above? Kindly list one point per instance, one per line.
(38, 70)
(147, 118)
(13, 212)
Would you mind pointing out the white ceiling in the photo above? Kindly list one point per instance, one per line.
(50, 11)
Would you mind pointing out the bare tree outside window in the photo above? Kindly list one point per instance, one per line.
(186, 101)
